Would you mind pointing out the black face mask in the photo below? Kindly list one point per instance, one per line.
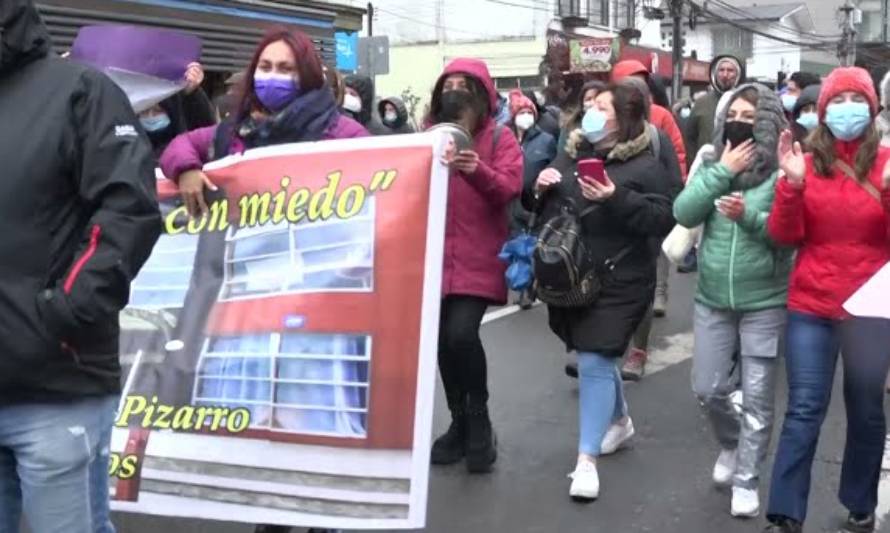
(454, 104)
(738, 132)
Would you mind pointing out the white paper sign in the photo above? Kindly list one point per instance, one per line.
(873, 299)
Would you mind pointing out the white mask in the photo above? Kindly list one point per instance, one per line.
(391, 116)
(524, 121)
(352, 103)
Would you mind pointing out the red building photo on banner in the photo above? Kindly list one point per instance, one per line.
(299, 299)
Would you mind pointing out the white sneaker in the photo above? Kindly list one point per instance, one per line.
(725, 467)
(745, 503)
(617, 436)
(585, 482)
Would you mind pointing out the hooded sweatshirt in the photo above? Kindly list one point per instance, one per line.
(367, 117)
(741, 269)
(79, 212)
(701, 123)
(401, 125)
(476, 224)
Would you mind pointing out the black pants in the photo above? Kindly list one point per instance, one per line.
(461, 355)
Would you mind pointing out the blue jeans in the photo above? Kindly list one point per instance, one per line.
(601, 399)
(813, 345)
(47, 453)
(99, 473)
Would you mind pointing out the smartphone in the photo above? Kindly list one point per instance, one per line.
(592, 169)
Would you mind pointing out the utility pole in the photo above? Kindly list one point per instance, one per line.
(370, 19)
(885, 24)
(677, 82)
(847, 46)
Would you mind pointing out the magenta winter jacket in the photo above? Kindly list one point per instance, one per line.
(190, 151)
(476, 225)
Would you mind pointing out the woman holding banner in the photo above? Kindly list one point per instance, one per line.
(484, 180)
(284, 100)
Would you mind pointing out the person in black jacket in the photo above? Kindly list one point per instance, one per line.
(358, 102)
(395, 117)
(185, 111)
(632, 210)
(80, 216)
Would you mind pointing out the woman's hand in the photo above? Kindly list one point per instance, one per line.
(194, 77)
(732, 206)
(546, 179)
(738, 159)
(191, 187)
(791, 159)
(596, 191)
(466, 161)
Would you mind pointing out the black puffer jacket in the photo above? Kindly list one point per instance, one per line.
(402, 124)
(79, 214)
(368, 118)
(638, 215)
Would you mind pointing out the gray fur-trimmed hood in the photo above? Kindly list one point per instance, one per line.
(769, 122)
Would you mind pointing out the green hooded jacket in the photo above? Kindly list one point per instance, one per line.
(740, 268)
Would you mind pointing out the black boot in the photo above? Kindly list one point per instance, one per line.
(481, 442)
(449, 448)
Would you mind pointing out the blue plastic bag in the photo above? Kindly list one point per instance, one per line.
(518, 253)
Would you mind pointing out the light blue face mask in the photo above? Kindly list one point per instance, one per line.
(788, 102)
(808, 120)
(847, 121)
(685, 113)
(155, 123)
(594, 125)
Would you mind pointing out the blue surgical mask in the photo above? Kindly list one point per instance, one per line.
(155, 122)
(788, 102)
(848, 121)
(808, 120)
(594, 125)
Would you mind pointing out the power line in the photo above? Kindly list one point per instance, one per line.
(714, 16)
(738, 11)
(430, 24)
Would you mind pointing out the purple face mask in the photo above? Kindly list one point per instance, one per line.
(275, 92)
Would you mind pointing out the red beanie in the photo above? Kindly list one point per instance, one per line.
(847, 79)
(520, 102)
(625, 69)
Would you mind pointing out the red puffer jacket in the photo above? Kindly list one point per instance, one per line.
(476, 225)
(842, 232)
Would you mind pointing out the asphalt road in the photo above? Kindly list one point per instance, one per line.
(660, 485)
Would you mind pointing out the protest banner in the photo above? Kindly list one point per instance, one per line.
(280, 351)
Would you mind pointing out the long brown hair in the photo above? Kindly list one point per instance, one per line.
(821, 142)
(631, 105)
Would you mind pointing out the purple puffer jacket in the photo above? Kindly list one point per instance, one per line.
(190, 151)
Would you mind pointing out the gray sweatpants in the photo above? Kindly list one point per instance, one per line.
(717, 337)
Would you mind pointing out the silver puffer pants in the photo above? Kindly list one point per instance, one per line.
(719, 337)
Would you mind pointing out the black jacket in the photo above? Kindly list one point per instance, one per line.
(368, 118)
(187, 112)
(638, 215)
(402, 124)
(79, 214)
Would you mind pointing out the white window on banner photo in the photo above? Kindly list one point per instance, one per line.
(300, 383)
(334, 255)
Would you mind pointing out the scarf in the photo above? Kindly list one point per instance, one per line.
(305, 119)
